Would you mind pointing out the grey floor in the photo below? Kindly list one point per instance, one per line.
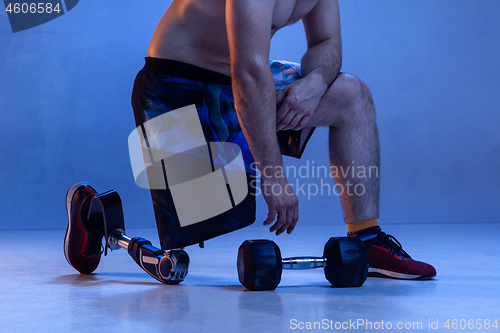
(40, 292)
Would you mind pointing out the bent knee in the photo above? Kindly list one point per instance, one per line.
(348, 90)
(354, 96)
(358, 91)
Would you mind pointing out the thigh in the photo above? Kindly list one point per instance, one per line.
(156, 94)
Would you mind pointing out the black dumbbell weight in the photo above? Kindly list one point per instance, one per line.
(345, 261)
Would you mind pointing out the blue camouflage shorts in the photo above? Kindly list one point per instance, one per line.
(165, 85)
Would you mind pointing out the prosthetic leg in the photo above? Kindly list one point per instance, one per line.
(170, 267)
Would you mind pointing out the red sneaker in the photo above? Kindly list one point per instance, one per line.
(82, 245)
(389, 260)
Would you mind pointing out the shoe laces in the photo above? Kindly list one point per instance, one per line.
(93, 245)
(391, 243)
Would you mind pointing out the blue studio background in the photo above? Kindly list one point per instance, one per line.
(432, 67)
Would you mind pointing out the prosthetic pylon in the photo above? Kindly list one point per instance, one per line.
(170, 267)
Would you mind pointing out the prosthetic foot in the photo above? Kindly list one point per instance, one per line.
(105, 213)
(170, 267)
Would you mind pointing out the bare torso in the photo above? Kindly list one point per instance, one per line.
(194, 31)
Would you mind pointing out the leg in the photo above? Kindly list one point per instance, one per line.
(347, 108)
(162, 87)
(92, 216)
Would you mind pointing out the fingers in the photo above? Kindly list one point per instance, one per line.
(293, 122)
(287, 219)
(284, 204)
(282, 114)
(270, 217)
(291, 115)
(291, 223)
(295, 219)
(281, 102)
(285, 122)
(280, 95)
(282, 229)
(281, 220)
(301, 124)
(287, 117)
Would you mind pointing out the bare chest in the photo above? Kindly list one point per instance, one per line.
(287, 12)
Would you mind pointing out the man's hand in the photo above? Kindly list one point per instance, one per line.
(281, 200)
(300, 99)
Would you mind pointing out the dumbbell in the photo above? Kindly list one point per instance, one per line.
(345, 261)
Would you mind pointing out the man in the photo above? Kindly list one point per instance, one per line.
(202, 46)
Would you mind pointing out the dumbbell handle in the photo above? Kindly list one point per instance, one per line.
(303, 262)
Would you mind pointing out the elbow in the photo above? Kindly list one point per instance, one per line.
(251, 73)
(336, 53)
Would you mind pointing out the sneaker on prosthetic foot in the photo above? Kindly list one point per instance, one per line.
(388, 259)
(83, 242)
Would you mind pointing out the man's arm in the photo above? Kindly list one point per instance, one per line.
(320, 66)
(249, 24)
(324, 47)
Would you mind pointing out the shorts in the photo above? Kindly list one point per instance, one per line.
(165, 85)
